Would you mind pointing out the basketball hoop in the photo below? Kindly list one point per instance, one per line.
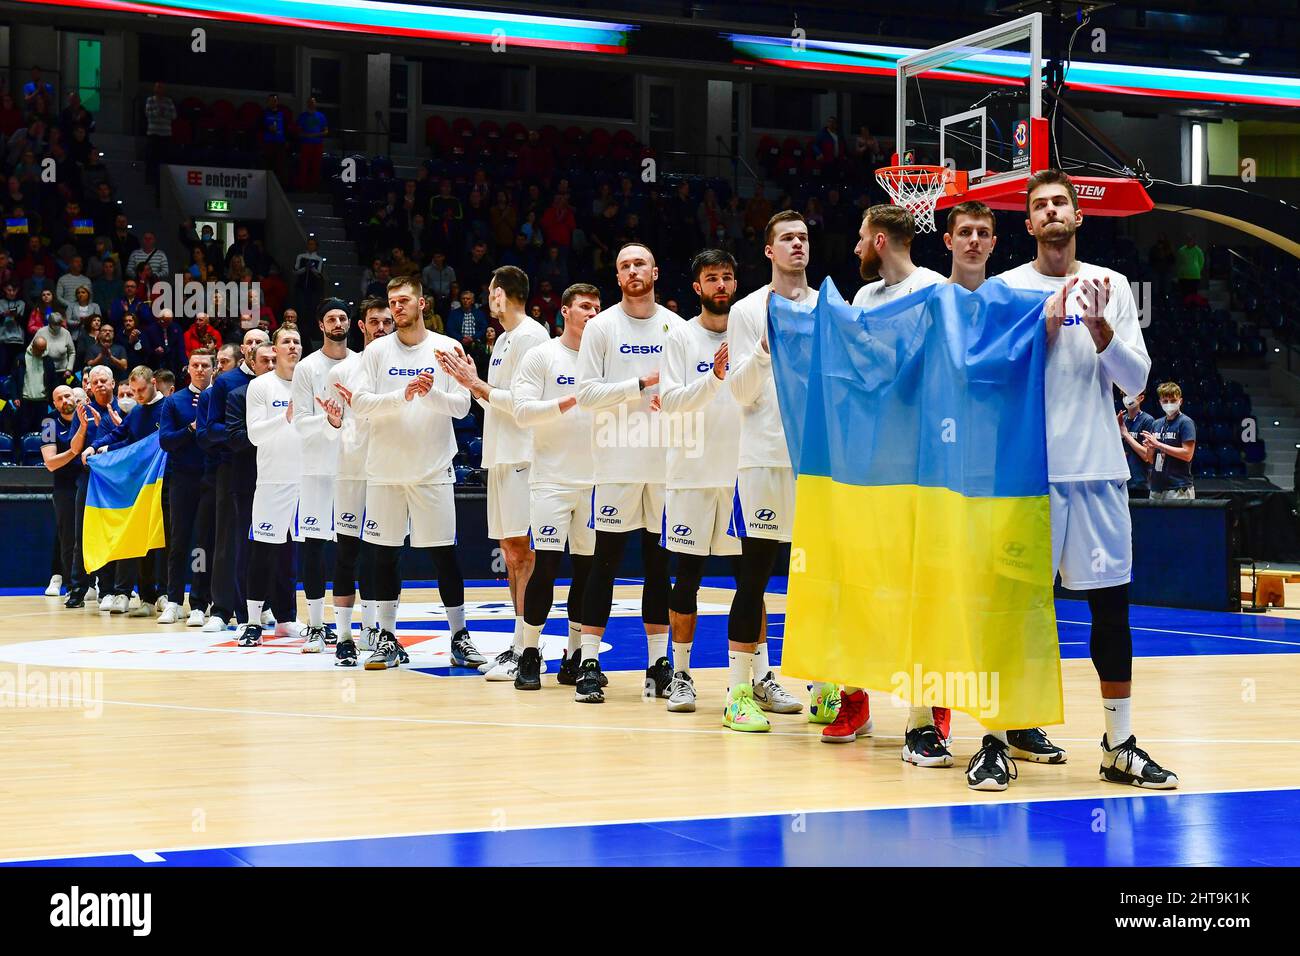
(916, 189)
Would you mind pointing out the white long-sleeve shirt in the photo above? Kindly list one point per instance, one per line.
(353, 434)
(616, 351)
(762, 436)
(410, 442)
(279, 449)
(561, 440)
(877, 293)
(1080, 405)
(703, 417)
(320, 452)
(504, 441)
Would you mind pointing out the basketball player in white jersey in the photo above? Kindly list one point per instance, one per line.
(507, 447)
(618, 376)
(763, 500)
(410, 403)
(353, 562)
(1094, 344)
(545, 392)
(704, 422)
(320, 455)
(884, 252)
(269, 421)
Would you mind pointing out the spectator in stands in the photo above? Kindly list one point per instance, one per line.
(249, 252)
(80, 313)
(829, 144)
(312, 130)
(129, 303)
(309, 260)
(11, 117)
(1171, 444)
(31, 381)
(211, 248)
(437, 277)
(477, 271)
(521, 255)
(202, 335)
(103, 252)
(1132, 423)
(547, 300)
(123, 239)
(467, 321)
(274, 290)
(160, 113)
(378, 286)
(1190, 262)
(133, 341)
(7, 274)
(558, 222)
(148, 254)
(164, 344)
(555, 269)
(536, 161)
(65, 290)
(478, 227)
(272, 139)
(46, 319)
(34, 87)
(107, 288)
(13, 325)
(89, 344)
(445, 202)
(758, 210)
(399, 264)
(432, 320)
(109, 355)
(604, 238)
(504, 216)
(36, 256)
(866, 149)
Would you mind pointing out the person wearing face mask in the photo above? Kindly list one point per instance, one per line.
(125, 397)
(60, 452)
(1132, 423)
(1171, 443)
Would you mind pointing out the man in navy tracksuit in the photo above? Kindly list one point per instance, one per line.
(141, 422)
(234, 500)
(190, 496)
(101, 407)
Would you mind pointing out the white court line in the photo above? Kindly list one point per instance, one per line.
(1127, 794)
(1222, 637)
(147, 856)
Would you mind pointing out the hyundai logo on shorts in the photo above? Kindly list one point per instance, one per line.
(372, 524)
(609, 511)
(308, 521)
(681, 531)
(265, 526)
(546, 530)
(347, 516)
(764, 514)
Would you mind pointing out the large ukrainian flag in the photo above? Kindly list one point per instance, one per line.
(922, 545)
(124, 513)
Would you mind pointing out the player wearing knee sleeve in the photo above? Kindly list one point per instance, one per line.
(320, 454)
(544, 392)
(268, 427)
(1094, 344)
(353, 561)
(507, 447)
(410, 403)
(763, 499)
(618, 375)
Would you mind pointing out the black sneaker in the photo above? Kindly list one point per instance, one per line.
(385, 654)
(331, 637)
(1129, 763)
(75, 599)
(529, 674)
(463, 651)
(402, 656)
(923, 748)
(345, 653)
(250, 636)
(658, 677)
(990, 768)
(1032, 744)
(588, 690)
(570, 665)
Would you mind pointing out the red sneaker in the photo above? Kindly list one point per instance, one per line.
(943, 724)
(854, 720)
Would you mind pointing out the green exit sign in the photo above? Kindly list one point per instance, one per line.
(218, 205)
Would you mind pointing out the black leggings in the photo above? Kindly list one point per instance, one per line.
(540, 593)
(686, 589)
(347, 550)
(598, 598)
(271, 578)
(757, 558)
(1111, 643)
(388, 582)
(313, 568)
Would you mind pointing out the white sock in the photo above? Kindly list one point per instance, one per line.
(387, 616)
(590, 647)
(456, 619)
(682, 656)
(369, 616)
(531, 635)
(519, 644)
(575, 638)
(761, 666)
(1119, 720)
(739, 669)
(920, 717)
(255, 613)
(316, 612)
(657, 645)
(999, 735)
(343, 620)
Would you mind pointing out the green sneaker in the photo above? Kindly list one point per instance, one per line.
(742, 713)
(823, 704)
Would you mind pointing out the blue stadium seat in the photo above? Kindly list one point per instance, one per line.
(475, 451)
(6, 449)
(31, 449)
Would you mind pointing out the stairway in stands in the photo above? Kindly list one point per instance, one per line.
(139, 200)
(342, 270)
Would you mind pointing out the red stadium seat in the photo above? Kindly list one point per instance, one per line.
(489, 130)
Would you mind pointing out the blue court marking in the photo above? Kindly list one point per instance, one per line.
(1194, 829)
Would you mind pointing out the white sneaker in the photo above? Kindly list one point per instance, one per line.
(368, 639)
(214, 625)
(268, 619)
(771, 696)
(172, 614)
(504, 667)
(681, 694)
(315, 640)
(118, 604)
(92, 595)
(133, 602)
(291, 629)
(106, 604)
(55, 585)
(196, 619)
(160, 605)
(141, 610)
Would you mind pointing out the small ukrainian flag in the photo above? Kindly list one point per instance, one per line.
(124, 512)
(922, 554)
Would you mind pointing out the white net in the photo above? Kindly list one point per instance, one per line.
(916, 189)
